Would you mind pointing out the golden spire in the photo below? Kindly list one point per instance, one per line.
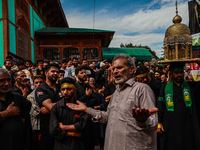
(177, 29)
(176, 8)
(177, 18)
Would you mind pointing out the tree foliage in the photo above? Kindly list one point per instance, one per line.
(138, 46)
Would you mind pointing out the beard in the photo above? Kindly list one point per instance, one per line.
(83, 79)
(121, 79)
(5, 90)
(52, 79)
(8, 67)
(178, 79)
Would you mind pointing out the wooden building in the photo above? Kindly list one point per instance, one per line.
(33, 29)
(57, 43)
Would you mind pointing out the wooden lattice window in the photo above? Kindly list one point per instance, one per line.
(91, 54)
(51, 54)
(22, 45)
(69, 53)
(23, 5)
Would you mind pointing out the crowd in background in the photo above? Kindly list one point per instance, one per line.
(28, 80)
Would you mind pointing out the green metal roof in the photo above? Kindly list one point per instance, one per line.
(63, 30)
(139, 53)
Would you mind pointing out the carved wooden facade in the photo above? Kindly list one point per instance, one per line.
(76, 43)
(19, 19)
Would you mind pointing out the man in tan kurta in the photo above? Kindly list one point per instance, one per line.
(130, 117)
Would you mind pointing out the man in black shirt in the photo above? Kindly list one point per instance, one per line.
(46, 96)
(178, 112)
(88, 70)
(20, 81)
(85, 94)
(14, 111)
(84, 91)
(142, 75)
(100, 78)
(66, 125)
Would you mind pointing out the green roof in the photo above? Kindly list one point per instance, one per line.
(63, 30)
(139, 53)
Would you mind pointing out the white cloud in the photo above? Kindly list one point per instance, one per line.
(152, 4)
(149, 24)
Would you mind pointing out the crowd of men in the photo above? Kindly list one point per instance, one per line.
(117, 105)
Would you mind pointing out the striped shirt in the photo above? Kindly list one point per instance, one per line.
(34, 112)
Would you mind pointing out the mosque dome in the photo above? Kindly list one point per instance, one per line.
(177, 33)
(177, 29)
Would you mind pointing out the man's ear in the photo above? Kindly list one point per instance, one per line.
(131, 70)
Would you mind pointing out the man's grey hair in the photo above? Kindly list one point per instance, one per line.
(130, 61)
(5, 71)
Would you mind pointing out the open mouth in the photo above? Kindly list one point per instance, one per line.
(118, 77)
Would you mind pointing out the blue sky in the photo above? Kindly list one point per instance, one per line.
(134, 21)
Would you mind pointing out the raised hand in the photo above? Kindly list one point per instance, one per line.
(78, 107)
(25, 91)
(107, 99)
(88, 91)
(142, 114)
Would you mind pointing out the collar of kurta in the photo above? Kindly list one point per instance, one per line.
(63, 103)
(129, 82)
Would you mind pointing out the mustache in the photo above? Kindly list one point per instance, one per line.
(117, 75)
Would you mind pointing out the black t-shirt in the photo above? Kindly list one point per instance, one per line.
(109, 90)
(100, 79)
(43, 93)
(16, 90)
(80, 95)
(155, 86)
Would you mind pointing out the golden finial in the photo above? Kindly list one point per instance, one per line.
(177, 18)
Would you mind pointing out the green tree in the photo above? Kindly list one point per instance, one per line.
(138, 46)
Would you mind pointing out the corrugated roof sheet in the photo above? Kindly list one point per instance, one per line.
(61, 30)
(139, 53)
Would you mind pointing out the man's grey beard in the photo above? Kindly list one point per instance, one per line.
(122, 80)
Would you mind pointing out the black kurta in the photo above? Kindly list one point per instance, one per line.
(182, 127)
(61, 113)
(91, 101)
(12, 129)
